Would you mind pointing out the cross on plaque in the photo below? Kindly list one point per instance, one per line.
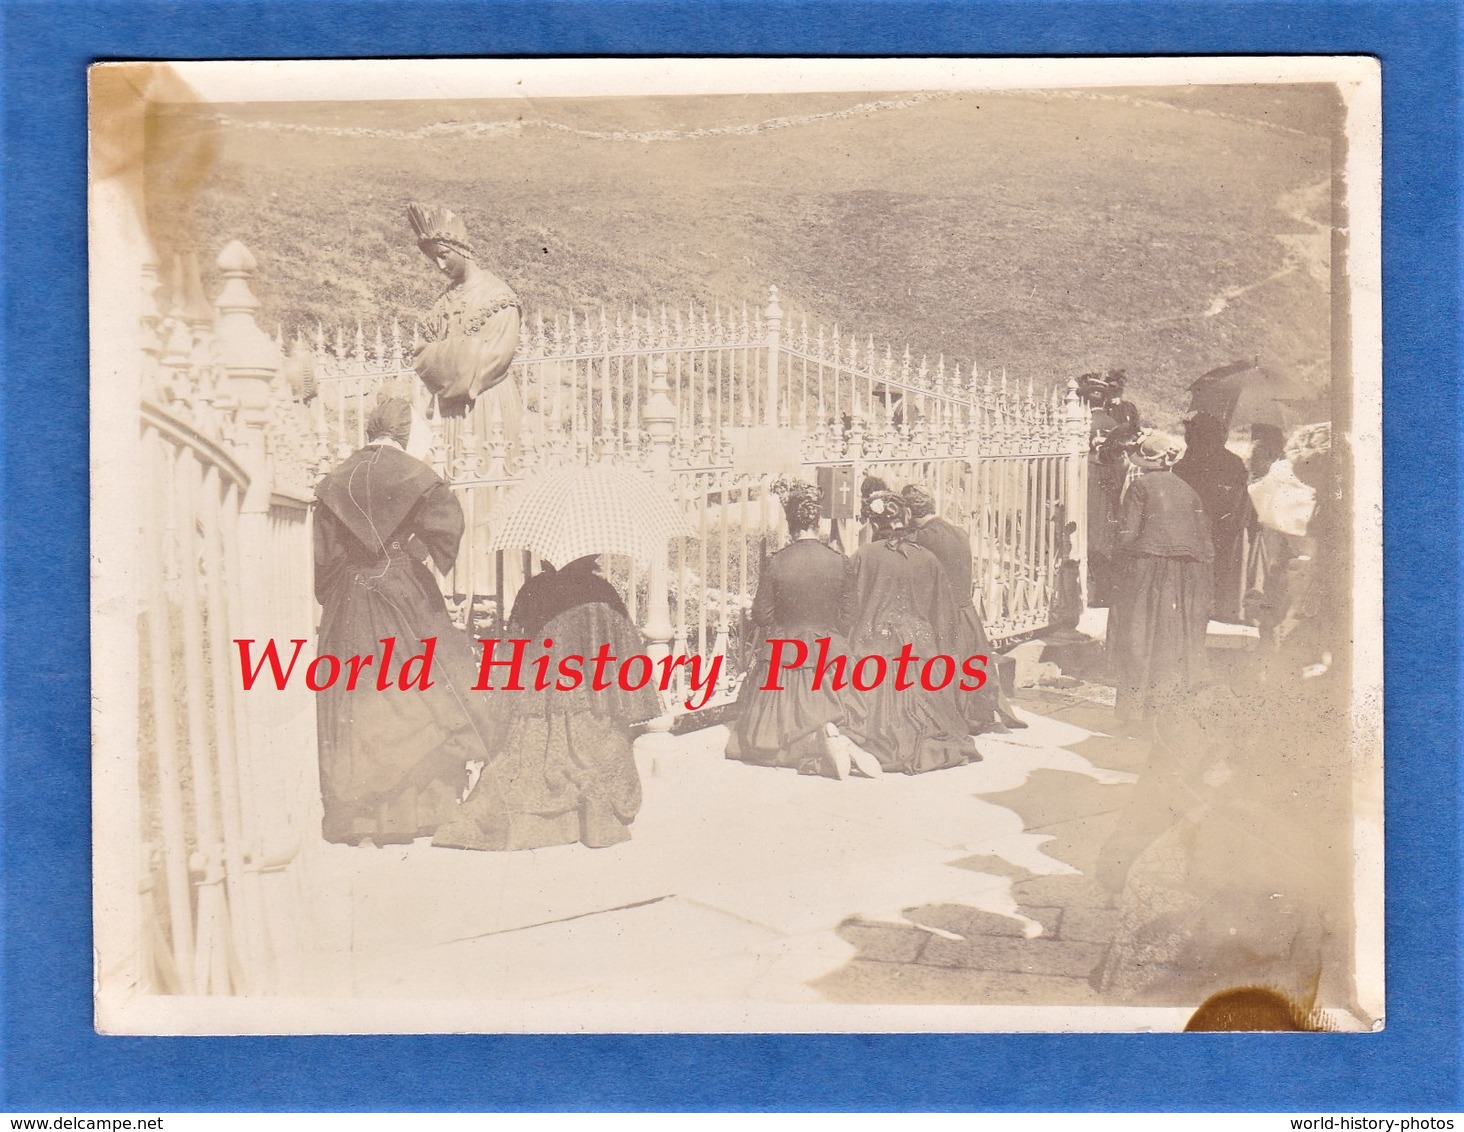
(843, 491)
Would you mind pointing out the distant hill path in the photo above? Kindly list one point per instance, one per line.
(457, 128)
(1162, 104)
(478, 129)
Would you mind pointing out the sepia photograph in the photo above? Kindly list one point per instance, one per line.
(778, 545)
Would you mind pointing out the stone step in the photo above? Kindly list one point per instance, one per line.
(1059, 657)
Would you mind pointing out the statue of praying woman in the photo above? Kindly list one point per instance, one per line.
(472, 330)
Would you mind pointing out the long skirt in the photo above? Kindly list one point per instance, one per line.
(1105, 485)
(393, 762)
(987, 708)
(561, 778)
(911, 730)
(1156, 631)
(1229, 571)
(783, 726)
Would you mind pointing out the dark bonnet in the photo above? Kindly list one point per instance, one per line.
(391, 418)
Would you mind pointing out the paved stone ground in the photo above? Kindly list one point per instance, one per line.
(963, 955)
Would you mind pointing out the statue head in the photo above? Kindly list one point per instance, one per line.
(443, 238)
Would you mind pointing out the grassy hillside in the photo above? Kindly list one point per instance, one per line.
(1045, 233)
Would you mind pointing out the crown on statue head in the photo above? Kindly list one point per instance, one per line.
(439, 226)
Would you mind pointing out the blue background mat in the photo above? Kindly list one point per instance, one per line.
(52, 1059)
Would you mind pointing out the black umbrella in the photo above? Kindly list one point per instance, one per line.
(1244, 393)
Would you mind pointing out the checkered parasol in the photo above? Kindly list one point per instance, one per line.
(571, 512)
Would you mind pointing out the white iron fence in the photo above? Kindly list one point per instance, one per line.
(747, 395)
(227, 781)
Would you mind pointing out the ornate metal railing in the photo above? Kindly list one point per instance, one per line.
(226, 780)
(750, 394)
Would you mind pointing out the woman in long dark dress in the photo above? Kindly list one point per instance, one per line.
(985, 709)
(1219, 478)
(1156, 628)
(805, 592)
(565, 772)
(902, 596)
(392, 761)
(1115, 425)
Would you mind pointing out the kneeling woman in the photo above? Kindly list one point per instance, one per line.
(805, 592)
(566, 772)
(902, 596)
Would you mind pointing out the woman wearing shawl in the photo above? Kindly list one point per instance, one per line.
(902, 596)
(565, 772)
(804, 592)
(1161, 608)
(393, 760)
(985, 709)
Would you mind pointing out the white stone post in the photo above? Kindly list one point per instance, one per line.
(659, 418)
(250, 360)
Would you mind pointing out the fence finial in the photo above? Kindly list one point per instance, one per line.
(243, 346)
(248, 355)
